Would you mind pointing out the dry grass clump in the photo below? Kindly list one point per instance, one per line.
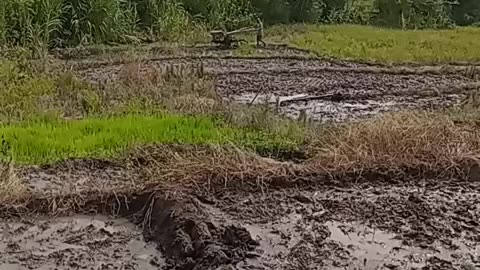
(396, 142)
(12, 189)
(181, 167)
(176, 170)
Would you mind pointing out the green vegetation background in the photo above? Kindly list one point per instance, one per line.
(58, 23)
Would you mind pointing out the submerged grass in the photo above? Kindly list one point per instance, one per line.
(368, 43)
(44, 142)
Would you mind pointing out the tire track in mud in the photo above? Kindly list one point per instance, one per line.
(358, 90)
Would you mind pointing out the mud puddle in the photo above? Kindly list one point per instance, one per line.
(361, 246)
(376, 249)
(79, 242)
(341, 245)
(357, 109)
(342, 96)
(331, 108)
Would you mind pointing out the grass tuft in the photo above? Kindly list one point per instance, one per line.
(12, 188)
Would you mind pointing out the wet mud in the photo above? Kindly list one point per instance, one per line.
(417, 224)
(426, 226)
(78, 176)
(78, 242)
(326, 91)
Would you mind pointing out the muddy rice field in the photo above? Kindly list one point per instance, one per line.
(330, 224)
(326, 91)
(315, 224)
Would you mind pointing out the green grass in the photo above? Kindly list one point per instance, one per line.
(51, 141)
(381, 44)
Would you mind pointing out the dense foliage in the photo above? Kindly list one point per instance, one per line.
(47, 23)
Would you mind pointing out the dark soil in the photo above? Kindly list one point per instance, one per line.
(428, 225)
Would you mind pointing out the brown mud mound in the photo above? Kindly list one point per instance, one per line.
(189, 235)
(78, 242)
(326, 91)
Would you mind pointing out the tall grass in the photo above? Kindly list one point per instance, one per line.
(93, 21)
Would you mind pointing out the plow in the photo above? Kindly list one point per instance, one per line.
(228, 40)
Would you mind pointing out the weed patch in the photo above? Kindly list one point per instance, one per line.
(29, 94)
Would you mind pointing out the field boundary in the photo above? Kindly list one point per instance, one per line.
(222, 170)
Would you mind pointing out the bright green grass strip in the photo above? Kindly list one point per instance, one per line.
(46, 142)
(383, 45)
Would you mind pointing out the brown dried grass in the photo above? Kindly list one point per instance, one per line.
(396, 142)
(186, 167)
(12, 189)
(175, 170)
